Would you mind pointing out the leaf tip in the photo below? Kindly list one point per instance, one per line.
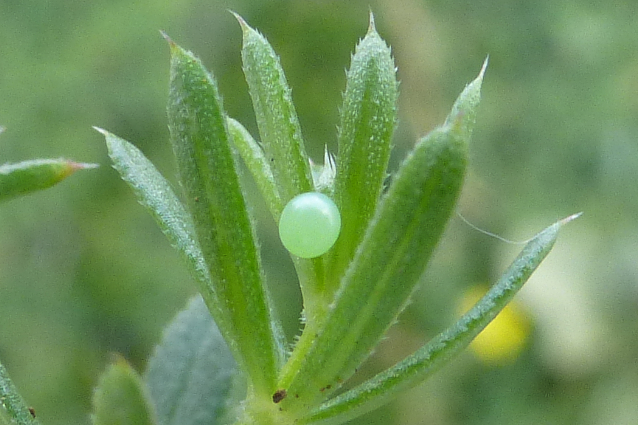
(570, 218)
(117, 359)
(242, 22)
(100, 130)
(371, 25)
(169, 40)
(484, 67)
(82, 165)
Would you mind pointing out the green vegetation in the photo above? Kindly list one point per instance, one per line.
(19, 179)
(84, 271)
(352, 292)
(29, 176)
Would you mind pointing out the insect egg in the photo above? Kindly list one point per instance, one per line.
(309, 225)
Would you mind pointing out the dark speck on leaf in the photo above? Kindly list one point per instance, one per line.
(278, 396)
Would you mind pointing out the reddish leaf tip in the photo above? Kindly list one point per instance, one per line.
(82, 165)
(169, 40)
(570, 218)
(244, 26)
(371, 25)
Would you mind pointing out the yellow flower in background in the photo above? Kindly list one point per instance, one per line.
(505, 337)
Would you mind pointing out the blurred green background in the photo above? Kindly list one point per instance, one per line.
(84, 272)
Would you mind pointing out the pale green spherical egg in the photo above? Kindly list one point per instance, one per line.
(309, 225)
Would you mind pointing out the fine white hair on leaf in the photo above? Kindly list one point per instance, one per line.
(490, 234)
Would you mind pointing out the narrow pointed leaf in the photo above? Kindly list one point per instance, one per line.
(466, 105)
(192, 374)
(225, 233)
(253, 156)
(29, 176)
(275, 113)
(283, 145)
(443, 348)
(155, 193)
(121, 399)
(368, 117)
(12, 403)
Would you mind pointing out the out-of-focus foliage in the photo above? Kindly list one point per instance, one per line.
(85, 272)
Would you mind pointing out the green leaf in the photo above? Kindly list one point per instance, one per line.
(155, 193)
(253, 156)
(208, 175)
(192, 376)
(29, 176)
(12, 403)
(466, 105)
(388, 264)
(283, 145)
(276, 116)
(368, 118)
(120, 398)
(443, 348)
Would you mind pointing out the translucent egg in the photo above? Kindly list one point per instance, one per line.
(309, 225)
